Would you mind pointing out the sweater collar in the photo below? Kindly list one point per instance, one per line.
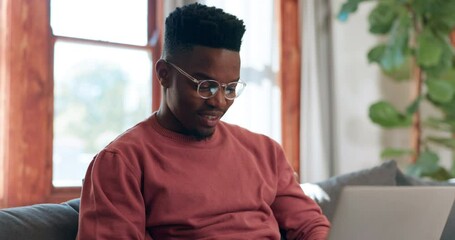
(184, 139)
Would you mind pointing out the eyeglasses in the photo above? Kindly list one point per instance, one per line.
(208, 88)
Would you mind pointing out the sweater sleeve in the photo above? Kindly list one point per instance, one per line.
(112, 206)
(297, 214)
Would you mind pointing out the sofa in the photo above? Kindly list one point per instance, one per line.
(60, 221)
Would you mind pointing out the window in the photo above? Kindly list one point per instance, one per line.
(102, 79)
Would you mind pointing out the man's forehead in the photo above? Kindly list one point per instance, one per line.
(207, 56)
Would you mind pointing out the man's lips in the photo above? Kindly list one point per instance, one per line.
(210, 119)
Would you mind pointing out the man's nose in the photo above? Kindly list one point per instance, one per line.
(218, 100)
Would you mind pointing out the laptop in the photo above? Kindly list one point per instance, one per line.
(392, 213)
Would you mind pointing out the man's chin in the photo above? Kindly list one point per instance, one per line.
(204, 134)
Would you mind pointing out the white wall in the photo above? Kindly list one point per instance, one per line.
(338, 87)
(356, 85)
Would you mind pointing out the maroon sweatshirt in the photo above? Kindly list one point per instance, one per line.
(151, 183)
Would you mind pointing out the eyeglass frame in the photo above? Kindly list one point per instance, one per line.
(199, 82)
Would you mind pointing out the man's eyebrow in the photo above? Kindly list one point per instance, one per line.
(204, 76)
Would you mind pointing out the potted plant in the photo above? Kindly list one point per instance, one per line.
(417, 43)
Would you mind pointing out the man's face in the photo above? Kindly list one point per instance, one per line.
(184, 110)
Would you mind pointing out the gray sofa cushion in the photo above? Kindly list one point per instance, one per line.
(40, 222)
(382, 175)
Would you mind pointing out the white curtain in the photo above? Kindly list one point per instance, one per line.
(259, 108)
(316, 120)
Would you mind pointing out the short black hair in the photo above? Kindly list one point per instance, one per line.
(197, 24)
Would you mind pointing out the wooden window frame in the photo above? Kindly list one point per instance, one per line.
(289, 78)
(26, 96)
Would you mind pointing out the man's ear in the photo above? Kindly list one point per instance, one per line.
(162, 71)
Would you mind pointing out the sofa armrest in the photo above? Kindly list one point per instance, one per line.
(40, 221)
(328, 191)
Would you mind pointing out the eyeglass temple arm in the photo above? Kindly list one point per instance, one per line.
(183, 72)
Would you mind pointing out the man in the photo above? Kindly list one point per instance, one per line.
(185, 174)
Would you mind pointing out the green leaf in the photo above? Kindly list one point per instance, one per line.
(440, 91)
(347, 8)
(429, 49)
(395, 152)
(449, 75)
(381, 18)
(440, 124)
(446, 142)
(445, 61)
(440, 17)
(398, 73)
(385, 115)
(440, 25)
(376, 53)
(421, 6)
(414, 170)
(452, 169)
(396, 50)
(440, 175)
(402, 72)
(426, 164)
(414, 106)
(448, 109)
(392, 59)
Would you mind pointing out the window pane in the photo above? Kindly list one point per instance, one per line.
(121, 21)
(99, 92)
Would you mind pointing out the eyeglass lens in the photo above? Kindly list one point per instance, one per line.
(208, 88)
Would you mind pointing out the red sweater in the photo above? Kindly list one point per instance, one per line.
(151, 183)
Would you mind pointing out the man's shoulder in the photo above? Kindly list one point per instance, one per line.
(131, 136)
(128, 146)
